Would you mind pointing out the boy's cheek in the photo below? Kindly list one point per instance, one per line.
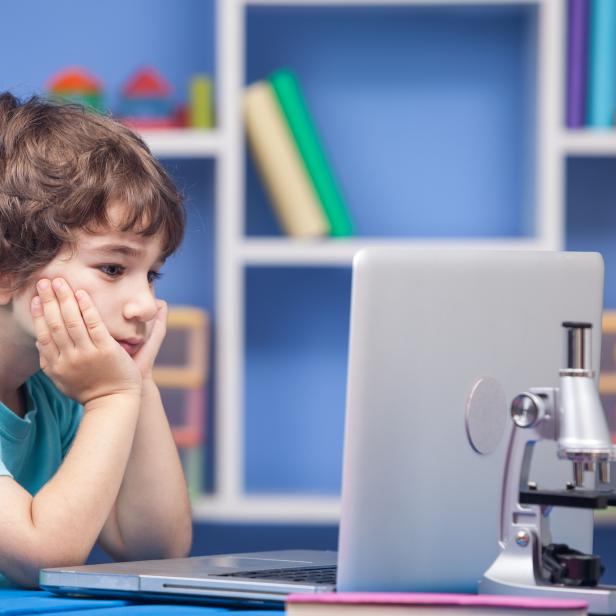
(21, 309)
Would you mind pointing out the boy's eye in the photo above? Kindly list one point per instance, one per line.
(112, 270)
(152, 276)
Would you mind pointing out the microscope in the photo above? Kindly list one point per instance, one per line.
(572, 415)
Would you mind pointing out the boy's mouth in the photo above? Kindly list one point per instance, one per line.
(131, 345)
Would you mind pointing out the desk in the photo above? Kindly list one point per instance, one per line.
(19, 602)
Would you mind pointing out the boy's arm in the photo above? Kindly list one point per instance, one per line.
(151, 517)
(60, 524)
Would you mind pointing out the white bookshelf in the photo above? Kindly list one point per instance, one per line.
(235, 252)
(352, 3)
(337, 252)
(183, 142)
(268, 508)
(587, 142)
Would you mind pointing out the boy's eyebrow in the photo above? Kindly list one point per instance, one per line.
(124, 250)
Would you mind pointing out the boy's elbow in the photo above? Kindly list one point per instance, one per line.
(23, 575)
(175, 543)
(25, 571)
(187, 545)
(180, 544)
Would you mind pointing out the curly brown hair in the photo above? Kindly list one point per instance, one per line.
(60, 168)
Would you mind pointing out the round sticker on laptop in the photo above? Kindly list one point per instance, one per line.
(486, 415)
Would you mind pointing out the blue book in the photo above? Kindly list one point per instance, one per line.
(602, 64)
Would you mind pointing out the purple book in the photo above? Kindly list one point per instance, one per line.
(577, 60)
(438, 602)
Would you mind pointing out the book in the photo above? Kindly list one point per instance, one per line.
(428, 604)
(292, 102)
(602, 64)
(577, 62)
(280, 165)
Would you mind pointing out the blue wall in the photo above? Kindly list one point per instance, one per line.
(591, 213)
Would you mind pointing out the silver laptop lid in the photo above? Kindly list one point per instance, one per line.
(420, 505)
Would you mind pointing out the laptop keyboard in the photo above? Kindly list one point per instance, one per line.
(313, 575)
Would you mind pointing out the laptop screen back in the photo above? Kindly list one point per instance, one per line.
(420, 503)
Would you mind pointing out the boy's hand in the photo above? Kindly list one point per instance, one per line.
(144, 358)
(76, 350)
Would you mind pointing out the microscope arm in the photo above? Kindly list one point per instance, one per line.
(535, 422)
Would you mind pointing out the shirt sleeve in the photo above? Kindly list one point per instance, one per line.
(3, 470)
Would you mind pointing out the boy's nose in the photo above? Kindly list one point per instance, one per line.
(141, 305)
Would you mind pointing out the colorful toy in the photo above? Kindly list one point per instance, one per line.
(201, 107)
(78, 86)
(146, 101)
(181, 373)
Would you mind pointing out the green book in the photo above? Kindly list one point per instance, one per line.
(289, 96)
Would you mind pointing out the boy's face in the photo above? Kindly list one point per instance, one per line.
(118, 270)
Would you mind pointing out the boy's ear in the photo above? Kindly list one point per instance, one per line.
(6, 291)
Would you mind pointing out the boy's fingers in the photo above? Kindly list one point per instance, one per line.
(147, 354)
(45, 344)
(96, 328)
(73, 321)
(53, 316)
(159, 328)
(160, 320)
(163, 310)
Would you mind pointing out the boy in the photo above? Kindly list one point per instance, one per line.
(87, 218)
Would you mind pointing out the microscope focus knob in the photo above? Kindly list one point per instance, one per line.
(526, 410)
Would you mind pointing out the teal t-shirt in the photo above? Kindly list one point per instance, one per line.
(32, 448)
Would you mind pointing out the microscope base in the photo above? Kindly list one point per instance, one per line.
(601, 599)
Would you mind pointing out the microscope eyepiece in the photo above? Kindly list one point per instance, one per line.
(578, 345)
(583, 435)
(579, 324)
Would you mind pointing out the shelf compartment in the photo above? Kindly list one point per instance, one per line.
(410, 162)
(295, 379)
(590, 212)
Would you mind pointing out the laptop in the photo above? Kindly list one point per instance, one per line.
(441, 341)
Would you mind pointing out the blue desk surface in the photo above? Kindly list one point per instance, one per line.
(13, 601)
